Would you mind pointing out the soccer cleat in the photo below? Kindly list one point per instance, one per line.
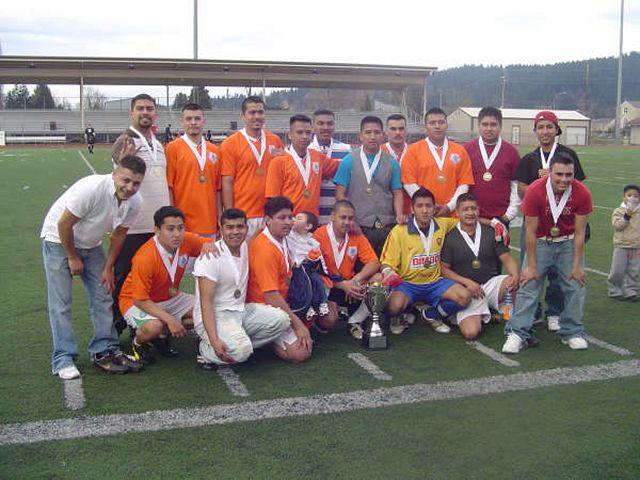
(576, 343)
(513, 344)
(111, 363)
(397, 325)
(553, 323)
(355, 330)
(142, 353)
(409, 318)
(68, 373)
(323, 309)
(204, 365)
(163, 346)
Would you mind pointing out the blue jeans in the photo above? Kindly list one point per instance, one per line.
(553, 294)
(549, 254)
(105, 339)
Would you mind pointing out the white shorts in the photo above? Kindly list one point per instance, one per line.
(254, 225)
(481, 306)
(176, 306)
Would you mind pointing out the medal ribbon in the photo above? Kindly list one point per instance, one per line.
(475, 245)
(281, 246)
(392, 152)
(151, 148)
(488, 160)
(172, 266)
(545, 163)
(338, 255)
(368, 170)
(222, 246)
(263, 145)
(556, 208)
(434, 152)
(326, 150)
(426, 241)
(305, 169)
(202, 155)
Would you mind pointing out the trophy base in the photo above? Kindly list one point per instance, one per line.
(374, 343)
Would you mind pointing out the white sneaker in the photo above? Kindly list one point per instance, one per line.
(69, 373)
(553, 323)
(323, 309)
(576, 343)
(438, 325)
(409, 318)
(513, 344)
(397, 325)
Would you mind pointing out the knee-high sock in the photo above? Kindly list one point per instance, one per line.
(443, 309)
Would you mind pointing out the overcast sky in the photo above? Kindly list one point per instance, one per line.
(441, 34)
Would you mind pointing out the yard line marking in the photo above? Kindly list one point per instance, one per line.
(153, 421)
(592, 270)
(608, 346)
(597, 180)
(369, 366)
(87, 162)
(232, 381)
(604, 208)
(73, 394)
(492, 354)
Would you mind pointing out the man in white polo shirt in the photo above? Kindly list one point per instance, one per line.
(228, 329)
(72, 236)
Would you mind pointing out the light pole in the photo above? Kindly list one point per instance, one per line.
(619, 93)
(553, 103)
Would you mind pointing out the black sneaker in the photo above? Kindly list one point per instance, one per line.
(110, 363)
(204, 365)
(142, 353)
(163, 346)
(134, 365)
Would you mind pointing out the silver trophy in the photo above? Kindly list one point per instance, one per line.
(375, 298)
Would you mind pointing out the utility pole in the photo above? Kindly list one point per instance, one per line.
(504, 86)
(619, 94)
(195, 29)
(586, 87)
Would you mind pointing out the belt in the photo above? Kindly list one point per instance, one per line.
(561, 238)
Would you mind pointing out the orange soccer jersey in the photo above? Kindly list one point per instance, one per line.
(196, 198)
(406, 200)
(420, 167)
(249, 180)
(149, 279)
(285, 179)
(268, 271)
(358, 247)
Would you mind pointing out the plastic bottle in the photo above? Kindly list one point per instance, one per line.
(507, 306)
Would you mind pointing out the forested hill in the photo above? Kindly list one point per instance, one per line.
(588, 85)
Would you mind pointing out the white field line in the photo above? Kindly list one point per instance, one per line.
(608, 346)
(87, 162)
(592, 270)
(369, 366)
(73, 394)
(492, 354)
(85, 426)
(611, 209)
(598, 180)
(232, 381)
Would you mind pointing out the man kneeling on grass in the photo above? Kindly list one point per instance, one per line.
(150, 297)
(470, 256)
(228, 329)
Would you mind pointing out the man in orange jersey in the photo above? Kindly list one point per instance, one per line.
(270, 274)
(246, 156)
(370, 178)
(437, 164)
(297, 174)
(150, 298)
(193, 174)
(397, 132)
(341, 248)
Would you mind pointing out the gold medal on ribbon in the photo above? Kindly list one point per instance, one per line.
(202, 178)
(237, 293)
(441, 178)
(260, 172)
(476, 264)
(173, 291)
(369, 190)
(307, 194)
(554, 231)
(487, 176)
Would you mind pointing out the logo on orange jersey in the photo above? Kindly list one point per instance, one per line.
(455, 158)
(352, 251)
(316, 167)
(212, 157)
(182, 261)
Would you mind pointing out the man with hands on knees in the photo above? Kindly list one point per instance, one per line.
(556, 208)
(470, 256)
(228, 328)
(150, 297)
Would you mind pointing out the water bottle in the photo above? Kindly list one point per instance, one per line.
(507, 306)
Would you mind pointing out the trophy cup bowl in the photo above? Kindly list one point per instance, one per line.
(374, 338)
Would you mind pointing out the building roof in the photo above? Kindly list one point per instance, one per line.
(150, 71)
(527, 114)
(633, 103)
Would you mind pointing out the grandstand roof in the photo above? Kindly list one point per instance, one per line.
(150, 71)
(528, 114)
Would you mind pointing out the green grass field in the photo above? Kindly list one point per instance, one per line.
(581, 429)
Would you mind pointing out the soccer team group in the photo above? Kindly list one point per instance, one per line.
(283, 241)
